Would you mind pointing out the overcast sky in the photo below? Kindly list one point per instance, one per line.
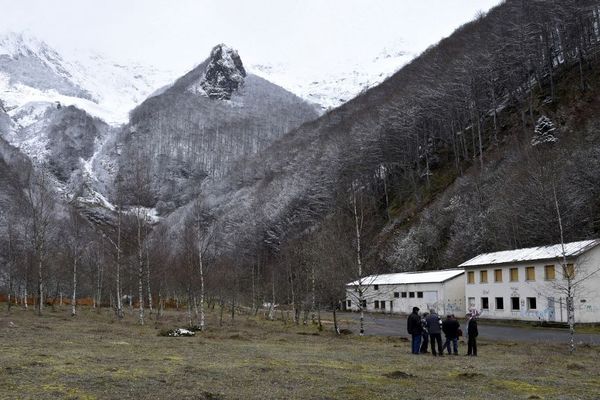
(177, 34)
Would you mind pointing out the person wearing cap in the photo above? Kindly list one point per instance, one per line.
(413, 326)
(472, 333)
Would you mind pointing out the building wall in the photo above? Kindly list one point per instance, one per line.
(550, 299)
(447, 297)
(454, 294)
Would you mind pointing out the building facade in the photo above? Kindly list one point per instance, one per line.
(398, 293)
(532, 284)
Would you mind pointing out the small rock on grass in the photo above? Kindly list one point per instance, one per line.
(398, 375)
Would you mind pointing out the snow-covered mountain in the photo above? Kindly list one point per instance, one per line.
(203, 124)
(33, 72)
(341, 83)
(208, 121)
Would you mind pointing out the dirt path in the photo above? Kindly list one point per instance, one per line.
(386, 325)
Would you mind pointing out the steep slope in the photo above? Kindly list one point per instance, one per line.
(14, 168)
(66, 142)
(212, 117)
(443, 115)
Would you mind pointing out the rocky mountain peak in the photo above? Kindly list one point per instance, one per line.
(224, 73)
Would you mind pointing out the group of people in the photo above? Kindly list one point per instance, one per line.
(428, 328)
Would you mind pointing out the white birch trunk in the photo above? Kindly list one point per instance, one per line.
(149, 291)
(358, 221)
(202, 316)
(100, 272)
(272, 306)
(40, 286)
(314, 296)
(118, 272)
(140, 268)
(74, 296)
(570, 305)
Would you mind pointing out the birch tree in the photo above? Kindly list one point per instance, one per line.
(205, 231)
(75, 247)
(574, 275)
(39, 203)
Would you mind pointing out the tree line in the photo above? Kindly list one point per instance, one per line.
(430, 168)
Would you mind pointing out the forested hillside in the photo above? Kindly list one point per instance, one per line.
(484, 142)
(209, 119)
(436, 164)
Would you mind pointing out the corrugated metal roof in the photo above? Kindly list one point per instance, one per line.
(410, 277)
(572, 249)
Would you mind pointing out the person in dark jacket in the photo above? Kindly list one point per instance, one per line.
(425, 334)
(472, 333)
(434, 326)
(413, 326)
(450, 327)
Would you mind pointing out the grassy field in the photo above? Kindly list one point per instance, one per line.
(92, 356)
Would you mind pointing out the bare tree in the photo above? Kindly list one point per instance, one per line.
(40, 208)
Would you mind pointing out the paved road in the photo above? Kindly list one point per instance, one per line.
(386, 325)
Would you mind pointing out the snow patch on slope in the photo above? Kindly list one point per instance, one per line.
(331, 88)
(89, 81)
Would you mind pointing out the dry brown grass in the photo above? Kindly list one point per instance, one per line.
(92, 356)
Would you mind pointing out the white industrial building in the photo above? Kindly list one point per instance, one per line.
(530, 284)
(398, 293)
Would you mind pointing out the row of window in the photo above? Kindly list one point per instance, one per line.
(377, 304)
(408, 294)
(515, 303)
(403, 294)
(364, 303)
(381, 304)
(513, 274)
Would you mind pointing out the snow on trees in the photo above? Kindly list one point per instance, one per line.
(544, 132)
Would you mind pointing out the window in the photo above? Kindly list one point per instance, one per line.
(364, 304)
(411, 294)
(530, 273)
(471, 302)
(485, 304)
(375, 287)
(549, 272)
(569, 271)
(531, 303)
(471, 277)
(382, 303)
(403, 295)
(349, 302)
(483, 276)
(497, 275)
(376, 304)
(514, 274)
(420, 295)
(396, 294)
(514, 303)
(499, 303)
